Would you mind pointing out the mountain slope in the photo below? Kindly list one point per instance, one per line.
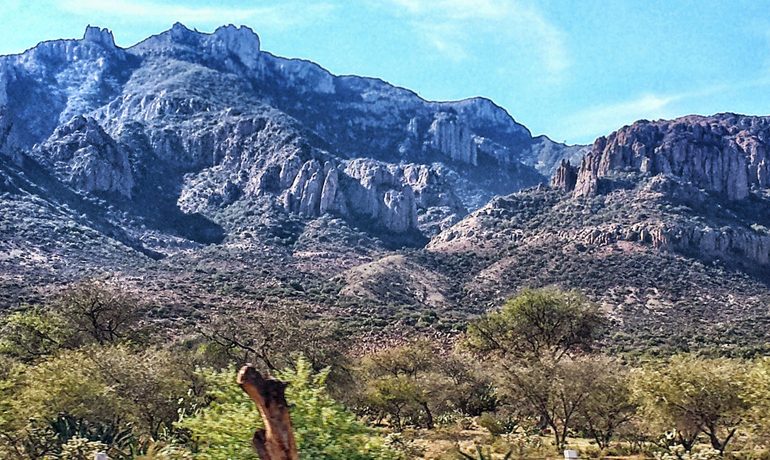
(210, 175)
(238, 122)
(664, 223)
(193, 165)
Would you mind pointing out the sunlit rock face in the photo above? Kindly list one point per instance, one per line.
(86, 157)
(726, 154)
(228, 121)
(715, 165)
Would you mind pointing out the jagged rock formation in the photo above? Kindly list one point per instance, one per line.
(453, 138)
(99, 36)
(87, 158)
(565, 177)
(725, 154)
(234, 122)
(744, 239)
(682, 160)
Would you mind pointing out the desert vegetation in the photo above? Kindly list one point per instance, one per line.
(86, 372)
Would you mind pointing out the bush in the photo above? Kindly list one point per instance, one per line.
(323, 428)
(497, 423)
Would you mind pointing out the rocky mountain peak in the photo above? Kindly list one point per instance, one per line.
(100, 36)
(241, 40)
(179, 32)
(225, 42)
(725, 154)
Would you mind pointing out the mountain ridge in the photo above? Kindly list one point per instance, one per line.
(212, 184)
(424, 127)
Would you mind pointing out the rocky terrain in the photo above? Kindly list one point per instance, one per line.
(229, 121)
(212, 175)
(696, 161)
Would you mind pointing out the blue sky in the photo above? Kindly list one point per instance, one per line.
(573, 70)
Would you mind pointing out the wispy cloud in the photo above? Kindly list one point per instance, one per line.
(602, 119)
(455, 27)
(592, 122)
(283, 15)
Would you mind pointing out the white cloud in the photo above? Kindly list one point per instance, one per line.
(592, 122)
(587, 124)
(445, 38)
(454, 27)
(287, 14)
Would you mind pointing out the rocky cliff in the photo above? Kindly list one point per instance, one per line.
(693, 161)
(87, 158)
(227, 121)
(725, 154)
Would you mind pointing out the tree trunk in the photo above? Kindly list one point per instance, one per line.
(716, 443)
(428, 416)
(276, 441)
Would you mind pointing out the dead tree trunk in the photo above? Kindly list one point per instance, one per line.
(276, 440)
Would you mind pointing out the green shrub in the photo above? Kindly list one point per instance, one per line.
(323, 428)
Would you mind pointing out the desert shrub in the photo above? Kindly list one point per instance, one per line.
(417, 383)
(694, 396)
(535, 344)
(757, 394)
(31, 334)
(323, 428)
(112, 394)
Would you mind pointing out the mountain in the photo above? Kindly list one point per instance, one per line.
(192, 149)
(211, 175)
(225, 120)
(664, 223)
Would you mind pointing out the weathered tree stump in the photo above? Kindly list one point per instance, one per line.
(276, 441)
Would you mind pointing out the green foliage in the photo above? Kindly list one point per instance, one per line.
(608, 405)
(535, 345)
(757, 395)
(272, 338)
(323, 428)
(86, 313)
(31, 334)
(538, 324)
(694, 396)
(112, 394)
(109, 386)
(414, 383)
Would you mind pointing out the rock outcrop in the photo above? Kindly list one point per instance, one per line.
(686, 162)
(378, 192)
(100, 36)
(727, 243)
(565, 177)
(304, 195)
(725, 154)
(86, 157)
(452, 138)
